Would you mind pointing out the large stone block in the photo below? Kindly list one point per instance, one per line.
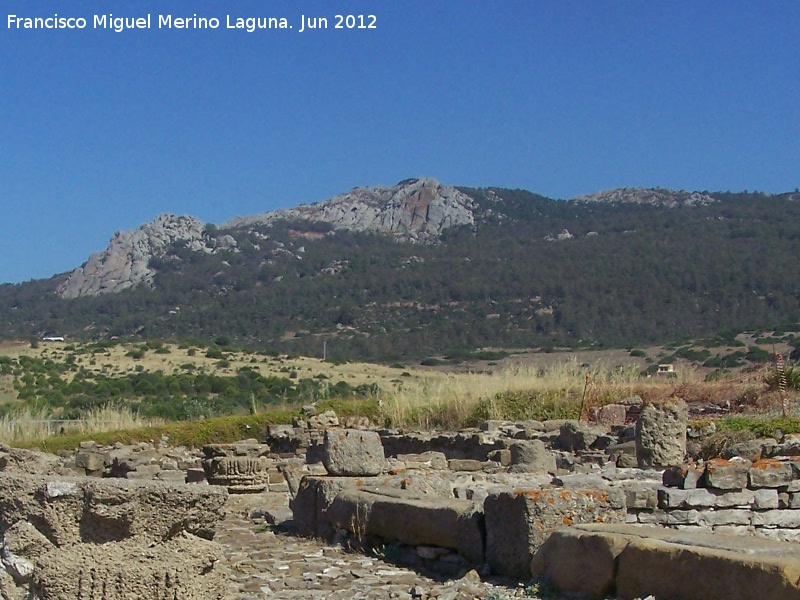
(519, 521)
(395, 515)
(661, 434)
(353, 453)
(532, 456)
(770, 473)
(108, 539)
(70, 511)
(185, 567)
(726, 475)
(637, 562)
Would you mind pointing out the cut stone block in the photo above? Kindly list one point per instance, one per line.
(636, 562)
(770, 473)
(725, 475)
(519, 521)
(353, 453)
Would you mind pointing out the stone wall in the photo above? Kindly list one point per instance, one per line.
(727, 496)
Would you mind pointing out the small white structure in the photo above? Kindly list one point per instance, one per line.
(53, 338)
(666, 369)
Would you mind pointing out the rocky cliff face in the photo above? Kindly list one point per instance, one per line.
(652, 196)
(124, 263)
(416, 209)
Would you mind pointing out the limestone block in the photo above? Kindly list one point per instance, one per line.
(576, 435)
(638, 562)
(661, 434)
(185, 567)
(641, 498)
(777, 518)
(691, 498)
(91, 460)
(579, 563)
(725, 475)
(398, 516)
(519, 521)
(726, 516)
(676, 568)
(734, 498)
(353, 452)
(685, 476)
(770, 473)
(766, 499)
(464, 464)
(534, 455)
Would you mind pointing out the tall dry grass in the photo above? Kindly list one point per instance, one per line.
(25, 427)
(452, 400)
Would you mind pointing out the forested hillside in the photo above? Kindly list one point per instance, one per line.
(531, 272)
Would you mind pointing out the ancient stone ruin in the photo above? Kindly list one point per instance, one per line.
(587, 506)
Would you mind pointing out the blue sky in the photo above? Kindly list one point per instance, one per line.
(102, 130)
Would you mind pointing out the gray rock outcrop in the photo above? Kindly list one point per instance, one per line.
(652, 196)
(414, 209)
(126, 261)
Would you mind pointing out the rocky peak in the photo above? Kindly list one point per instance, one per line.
(414, 209)
(652, 196)
(125, 262)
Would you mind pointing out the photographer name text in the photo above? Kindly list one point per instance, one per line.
(228, 22)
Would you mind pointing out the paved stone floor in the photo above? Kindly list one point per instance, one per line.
(268, 564)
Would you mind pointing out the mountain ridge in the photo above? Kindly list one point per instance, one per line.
(413, 210)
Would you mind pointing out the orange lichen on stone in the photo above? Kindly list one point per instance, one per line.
(535, 494)
(567, 520)
(767, 463)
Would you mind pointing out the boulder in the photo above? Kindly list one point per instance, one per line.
(532, 456)
(661, 434)
(353, 453)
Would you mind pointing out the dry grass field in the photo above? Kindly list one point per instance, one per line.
(523, 384)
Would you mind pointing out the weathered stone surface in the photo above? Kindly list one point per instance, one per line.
(678, 498)
(323, 420)
(661, 434)
(184, 567)
(239, 474)
(17, 460)
(611, 415)
(770, 473)
(777, 518)
(352, 452)
(579, 562)
(518, 521)
(641, 498)
(533, 455)
(576, 435)
(101, 510)
(725, 475)
(685, 476)
(668, 564)
(464, 464)
(395, 515)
